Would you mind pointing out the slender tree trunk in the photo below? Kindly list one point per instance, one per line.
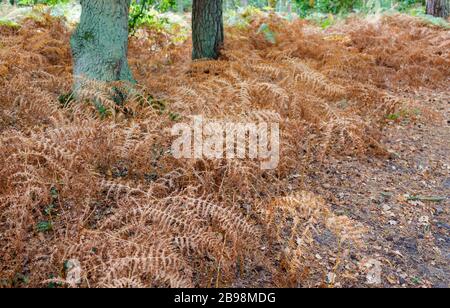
(100, 42)
(207, 29)
(438, 8)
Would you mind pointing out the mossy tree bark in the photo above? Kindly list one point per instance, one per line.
(438, 8)
(207, 29)
(100, 42)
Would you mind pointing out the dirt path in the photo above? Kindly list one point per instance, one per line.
(410, 238)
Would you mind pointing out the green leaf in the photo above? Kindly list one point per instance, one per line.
(268, 33)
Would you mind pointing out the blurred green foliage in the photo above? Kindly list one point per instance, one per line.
(146, 12)
(47, 2)
(302, 7)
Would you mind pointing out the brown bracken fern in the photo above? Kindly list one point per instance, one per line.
(95, 181)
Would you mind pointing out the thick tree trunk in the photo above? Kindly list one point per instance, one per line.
(207, 29)
(100, 42)
(438, 8)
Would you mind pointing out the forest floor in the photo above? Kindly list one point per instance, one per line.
(403, 200)
(409, 236)
(360, 197)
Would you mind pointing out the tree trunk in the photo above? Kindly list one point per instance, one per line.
(207, 29)
(100, 42)
(438, 8)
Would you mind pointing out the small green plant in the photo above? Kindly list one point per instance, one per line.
(4, 283)
(44, 226)
(416, 280)
(67, 265)
(20, 278)
(53, 284)
(326, 23)
(158, 105)
(49, 210)
(393, 116)
(268, 33)
(54, 193)
(88, 36)
(46, 2)
(9, 24)
(174, 116)
(145, 13)
(102, 110)
(65, 99)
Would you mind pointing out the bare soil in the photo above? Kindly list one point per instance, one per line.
(409, 236)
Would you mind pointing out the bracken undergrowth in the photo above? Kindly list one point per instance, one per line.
(95, 181)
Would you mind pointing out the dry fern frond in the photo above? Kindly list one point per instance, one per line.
(299, 220)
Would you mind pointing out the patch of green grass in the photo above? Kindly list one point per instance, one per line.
(9, 24)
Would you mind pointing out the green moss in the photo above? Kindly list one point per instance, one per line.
(88, 36)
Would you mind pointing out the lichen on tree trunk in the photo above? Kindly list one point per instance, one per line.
(438, 8)
(100, 42)
(207, 29)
